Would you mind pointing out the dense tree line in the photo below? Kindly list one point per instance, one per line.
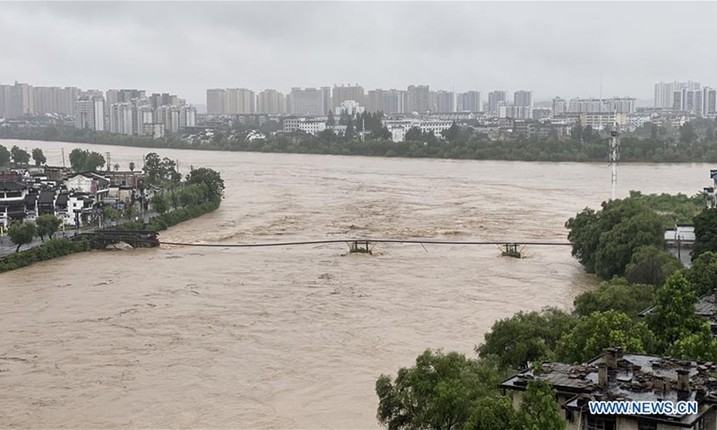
(585, 144)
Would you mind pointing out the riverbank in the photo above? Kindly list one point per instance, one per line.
(60, 247)
(548, 150)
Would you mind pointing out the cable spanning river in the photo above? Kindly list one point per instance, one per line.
(292, 337)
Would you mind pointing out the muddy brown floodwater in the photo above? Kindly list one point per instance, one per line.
(292, 337)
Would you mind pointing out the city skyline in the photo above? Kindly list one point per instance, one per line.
(489, 46)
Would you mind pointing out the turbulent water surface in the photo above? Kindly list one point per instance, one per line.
(292, 337)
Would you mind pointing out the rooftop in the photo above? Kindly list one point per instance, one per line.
(627, 377)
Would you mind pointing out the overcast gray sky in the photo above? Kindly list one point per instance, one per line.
(556, 48)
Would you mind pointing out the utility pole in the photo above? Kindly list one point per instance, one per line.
(63, 163)
(614, 155)
(109, 161)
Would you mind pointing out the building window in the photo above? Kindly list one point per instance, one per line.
(599, 423)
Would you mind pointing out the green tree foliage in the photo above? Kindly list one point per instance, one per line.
(47, 225)
(439, 392)
(702, 275)
(673, 208)
(687, 133)
(492, 413)
(604, 241)
(82, 160)
(673, 316)
(20, 157)
(602, 330)
(211, 179)
(161, 171)
(615, 294)
(617, 245)
(160, 204)
(651, 265)
(131, 166)
(5, 156)
(21, 233)
(525, 337)
(661, 148)
(539, 409)
(700, 345)
(39, 157)
(705, 232)
(111, 213)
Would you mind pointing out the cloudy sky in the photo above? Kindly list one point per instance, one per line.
(556, 48)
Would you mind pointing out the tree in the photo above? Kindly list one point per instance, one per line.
(211, 179)
(110, 213)
(492, 413)
(616, 294)
(20, 157)
(585, 237)
(602, 330)
(160, 171)
(525, 337)
(700, 345)
(651, 265)
(117, 167)
(673, 315)
(160, 204)
(705, 232)
(539, 409)
(687, 133)
(438, 392)
(131, 166)
(5, 156)
(47, 225)
(331, 121)
(702, 275)
(39, 157)
(617, 245)
(21, 233)
(85, 161)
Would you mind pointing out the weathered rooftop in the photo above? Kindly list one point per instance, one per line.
(629, 377)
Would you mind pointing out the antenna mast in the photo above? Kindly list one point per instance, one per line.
(614, 154)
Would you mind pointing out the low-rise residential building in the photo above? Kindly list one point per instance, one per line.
(12, 202)
(90, 183)
(626, 377)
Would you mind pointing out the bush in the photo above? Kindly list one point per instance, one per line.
(51, 249)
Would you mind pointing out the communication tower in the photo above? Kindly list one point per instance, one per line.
(614, 156)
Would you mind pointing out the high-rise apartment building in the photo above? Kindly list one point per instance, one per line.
(469, 101)
(560, 106)
(307, 101)
(445, 101)
(709, 102)
(386, 101)
(344, 93)
(523, 98)
(54, 100)
(120, 119)
(90, 113)
(240, 101)
(418, 98)
(494, 98)
(665, 93)
(216, 101)
(615, 104)
(271, 102)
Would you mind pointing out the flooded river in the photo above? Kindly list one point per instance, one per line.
(292, 337)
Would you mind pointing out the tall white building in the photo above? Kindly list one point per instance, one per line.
(90, 113)
(271, 102)
(120, 117)
(307, 101)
